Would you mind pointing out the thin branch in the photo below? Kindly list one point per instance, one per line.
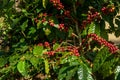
(76, 25)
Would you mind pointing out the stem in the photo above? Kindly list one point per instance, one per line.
(76, 25)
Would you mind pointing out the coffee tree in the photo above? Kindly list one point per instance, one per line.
(59, 40)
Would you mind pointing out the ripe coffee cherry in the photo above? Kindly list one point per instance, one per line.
(61, 26)
(104, 10)
(67, 13)
(47, 44)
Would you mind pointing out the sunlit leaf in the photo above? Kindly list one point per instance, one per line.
(37, 51)
(91, 28)
(46, 66)
(21, 66)
(55, 46)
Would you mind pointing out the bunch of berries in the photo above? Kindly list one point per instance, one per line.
(108, 9)
(44, 18)
(112, 48)
(91, 16)
(72, 49)
(57, 4)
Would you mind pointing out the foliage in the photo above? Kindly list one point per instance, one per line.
(59, 40)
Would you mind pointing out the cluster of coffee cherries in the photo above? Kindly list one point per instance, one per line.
(92, 15)
(57, 4)
(44, 18)
(60, 6)
(72, 49)
(108, 9)
(101, 41)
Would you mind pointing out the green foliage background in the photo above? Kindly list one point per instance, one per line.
(22, 58)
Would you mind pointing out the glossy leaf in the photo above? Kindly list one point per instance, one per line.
(84, 73)
(117, 73)
(21, 66)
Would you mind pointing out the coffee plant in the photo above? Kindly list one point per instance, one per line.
(59, 40)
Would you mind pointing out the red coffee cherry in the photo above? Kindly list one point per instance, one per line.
(47, 44)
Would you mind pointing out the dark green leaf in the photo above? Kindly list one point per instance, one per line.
(100, 58)
(66, 73)
(24, 25)
(117, 33)
(97, 29)
(3, 61)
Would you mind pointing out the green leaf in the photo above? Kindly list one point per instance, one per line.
(100, 58)
(32, 30)
(91, 28)
(67, 72)
(84, 73)
(3, 61)
(38, 50)
(44, 3)
(47, 31)
(46, 66)
(35, 61)
(21, 66)
(71, 73)
(97, 29)
(70, 32)
(103, 32)
(85, 31)
(39, 25)
(24, 25)
(5, 2)
(62, 74)
(13, 59)
(72, 60)
(55, 46)
(117, 73)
